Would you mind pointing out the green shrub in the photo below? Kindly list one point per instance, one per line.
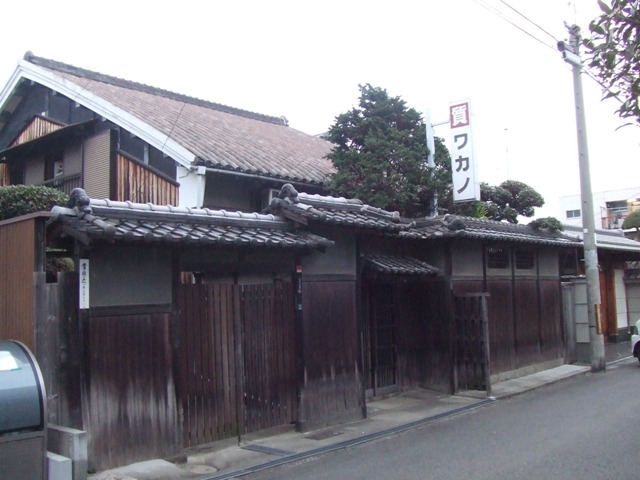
(16, 200)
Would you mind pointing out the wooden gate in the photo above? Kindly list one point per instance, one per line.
(471, 343)
(237, 359)
(380, 340)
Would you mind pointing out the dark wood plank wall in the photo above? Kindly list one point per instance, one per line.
(501, 326)
(237, 359)
(130, 410)
(138, 183)
(17, 267)
(423, 335)
(59, 352)
(551, 328)
(332, 389)
(525, 320)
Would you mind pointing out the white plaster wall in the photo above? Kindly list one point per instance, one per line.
(621, 299)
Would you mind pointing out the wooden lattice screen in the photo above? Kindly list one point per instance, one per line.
(471, 343)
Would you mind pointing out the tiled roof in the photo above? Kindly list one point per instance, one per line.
(135, 222)
(399, 265)
(218, 136)
(452, 226)
(606, 239)
(339, 211)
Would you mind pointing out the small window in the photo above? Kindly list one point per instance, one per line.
(497, 258)
(524, 260)
(573, 213)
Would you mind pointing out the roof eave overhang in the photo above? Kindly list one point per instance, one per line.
(159, 140)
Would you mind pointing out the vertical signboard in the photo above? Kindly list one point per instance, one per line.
(463, 168)
(84, 283)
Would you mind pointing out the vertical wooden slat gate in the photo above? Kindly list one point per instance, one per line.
(471, 343)
(380, 342)
(237, 359)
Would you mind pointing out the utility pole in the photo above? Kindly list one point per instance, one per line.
(571, 54)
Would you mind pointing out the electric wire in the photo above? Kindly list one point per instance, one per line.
(529, 20)
(508, 20)
(501, 15)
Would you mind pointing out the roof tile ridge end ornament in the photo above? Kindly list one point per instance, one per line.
(133, 85)
(454, 222)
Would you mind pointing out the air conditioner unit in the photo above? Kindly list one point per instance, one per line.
(268, 195)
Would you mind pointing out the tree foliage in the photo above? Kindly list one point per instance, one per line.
(380, 155)
(614, 54)
(550, 224)
(506, 201)
(16, 200)
(632, 221)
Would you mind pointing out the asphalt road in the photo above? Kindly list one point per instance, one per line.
(584, 428)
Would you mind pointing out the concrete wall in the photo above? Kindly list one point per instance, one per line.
(621, 301)
(576, 305)
(633, 300)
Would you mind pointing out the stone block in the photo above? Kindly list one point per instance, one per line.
(70, 443)
(59, 467)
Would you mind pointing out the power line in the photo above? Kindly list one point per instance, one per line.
(501, 15)
(508, 20)
(529, 20)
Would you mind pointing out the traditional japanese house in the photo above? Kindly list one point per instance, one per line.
(68, 127)
(168, 315)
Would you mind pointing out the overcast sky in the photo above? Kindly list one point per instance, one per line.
(304, 60)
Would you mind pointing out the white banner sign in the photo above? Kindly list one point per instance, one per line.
(465, 186)
(84, 283)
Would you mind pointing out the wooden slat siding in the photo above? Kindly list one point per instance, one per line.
(5, 179)
(97, 165)
(228, 425)
(139, 184)
(17, 266)
(37, 128)
(527, 322)
(501, 326)
(333, 380)
(551, 332)
(132, 412)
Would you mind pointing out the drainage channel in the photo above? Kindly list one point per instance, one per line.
(287, 457)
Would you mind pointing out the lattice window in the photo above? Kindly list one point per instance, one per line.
(497, 258)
